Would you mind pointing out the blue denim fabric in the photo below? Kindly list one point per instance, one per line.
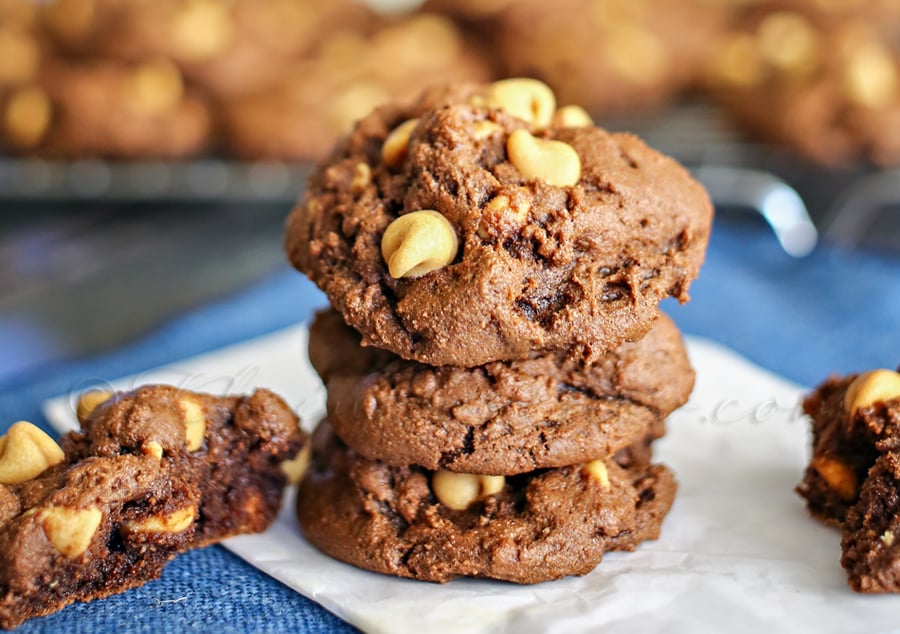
(835, 311)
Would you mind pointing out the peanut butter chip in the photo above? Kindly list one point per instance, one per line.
(739, 63)
(26, 452)
(459, 490)
(89, 402)
(871, 387)
(27, 116)
(418, 243)
(596, 471)
(20, 57)
(70, 530)
(194, 423)
(553, 162)
(636, 54)
(202, 29)
(396, 145)
(788, 42)
(838, 476)
(174, 522)
(527, 99)
(155, 88)
(871, 78)
(295, 469)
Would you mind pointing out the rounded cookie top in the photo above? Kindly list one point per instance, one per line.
(515, 233)
(501, 418)
(410, 522)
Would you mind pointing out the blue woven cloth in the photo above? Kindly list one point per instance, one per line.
(835, 311)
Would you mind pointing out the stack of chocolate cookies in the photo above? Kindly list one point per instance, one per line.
(497, 366)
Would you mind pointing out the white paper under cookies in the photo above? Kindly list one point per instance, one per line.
(738, 552)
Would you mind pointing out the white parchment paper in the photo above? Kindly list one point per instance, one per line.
(738, 552)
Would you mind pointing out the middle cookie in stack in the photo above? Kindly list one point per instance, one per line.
(507, 251)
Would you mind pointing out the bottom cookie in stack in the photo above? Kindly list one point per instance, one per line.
(436, 526)
(522, 471)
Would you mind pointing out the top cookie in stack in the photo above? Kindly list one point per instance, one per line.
(481, 223)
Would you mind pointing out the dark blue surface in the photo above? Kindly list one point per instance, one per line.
(832, 312)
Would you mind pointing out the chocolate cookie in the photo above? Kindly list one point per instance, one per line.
(502, 418)
(342, 79)
(228, 48)
(106, 109)
(611, 56)
(410, 522)
(852, 480)
(152, 473)
(475, 235)
(823, 82)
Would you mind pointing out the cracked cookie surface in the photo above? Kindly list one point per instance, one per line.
(504, 417)
(539, 526)
(540, 266)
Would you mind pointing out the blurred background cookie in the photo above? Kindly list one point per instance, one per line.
(344, 78)
(607, 55)
(820, 77)
(107, 109)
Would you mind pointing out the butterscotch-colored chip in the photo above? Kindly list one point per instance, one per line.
(596, 470)
(26, 452)
(155, 88)
(174, 522)
(485, 129)
(636, 54)
(202, 29)
(459, 490)
(839, 477)
(70, 530)
(27, 116)
(194, 423)
(418, 243)
(553, 162)
(395, 147)
(871, 387)
(296, 468)
(19, 57)
(739, 62)
(870, 77)
(154, 449)
(89, 402)
(572, 117)
(362, 177)
(528, 99)
(789, 42)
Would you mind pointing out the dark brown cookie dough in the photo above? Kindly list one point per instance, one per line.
(536, 527)
(106, 109)
(151, 474)
(822, 79)
(852, 479)
(502, 418)
(539, 266)
(871, 541)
